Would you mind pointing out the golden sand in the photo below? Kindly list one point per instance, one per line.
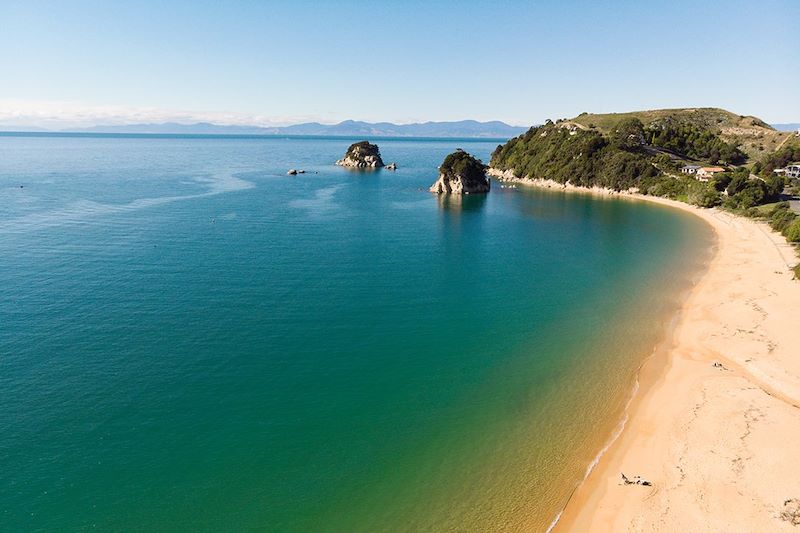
(720, 444)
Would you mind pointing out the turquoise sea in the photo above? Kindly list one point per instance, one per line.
(190, 339)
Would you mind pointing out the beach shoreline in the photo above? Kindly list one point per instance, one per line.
(705, 435)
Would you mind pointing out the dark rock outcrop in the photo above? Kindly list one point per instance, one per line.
(362, 155)
(461, 173)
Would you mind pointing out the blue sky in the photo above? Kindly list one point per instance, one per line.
(281, 62)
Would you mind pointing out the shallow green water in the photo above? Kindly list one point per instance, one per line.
(191, 339)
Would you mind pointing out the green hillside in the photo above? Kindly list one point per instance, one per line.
(645, 151)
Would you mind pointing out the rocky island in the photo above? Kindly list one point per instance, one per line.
(461, 173)
(362, 155)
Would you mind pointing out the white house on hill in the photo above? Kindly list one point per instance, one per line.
(706, 173)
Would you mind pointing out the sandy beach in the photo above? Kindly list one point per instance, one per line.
(719, 444)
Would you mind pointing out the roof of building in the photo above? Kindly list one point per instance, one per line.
(692, 166)
(713, 169)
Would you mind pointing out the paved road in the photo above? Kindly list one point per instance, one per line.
(795, 205)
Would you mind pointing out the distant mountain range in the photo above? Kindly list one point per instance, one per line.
(794, 126)
(348, 128)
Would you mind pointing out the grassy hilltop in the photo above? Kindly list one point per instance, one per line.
(751, 134)
(705, 117)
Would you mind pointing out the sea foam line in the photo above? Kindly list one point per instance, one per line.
(81, 209)
(620, 427)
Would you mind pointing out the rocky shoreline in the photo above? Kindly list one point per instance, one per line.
(509, 177)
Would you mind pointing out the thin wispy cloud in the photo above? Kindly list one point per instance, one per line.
(51, 114)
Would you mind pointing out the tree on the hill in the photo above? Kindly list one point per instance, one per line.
(628, 135)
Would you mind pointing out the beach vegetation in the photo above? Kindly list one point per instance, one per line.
(792, 231)
(667, 187)
(703, 195)
(781, 218)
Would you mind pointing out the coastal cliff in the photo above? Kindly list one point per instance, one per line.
(461, 173)
(362, 155)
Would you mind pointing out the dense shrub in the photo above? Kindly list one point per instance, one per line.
(779, 159)
(792, 232)
(622, 170)
(694, 142)
(720, 182)
(781, 217)
(745, 192)
(362, 149)
(775, 186)
(628, 135)
(703, 195)
(584, 158)
(668, 187)
(460, 163)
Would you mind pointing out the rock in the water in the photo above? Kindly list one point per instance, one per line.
(292, 172)
(362, 155)
(461, 173)
(391, 166)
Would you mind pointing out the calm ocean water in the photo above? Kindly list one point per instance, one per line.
(190, 339)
